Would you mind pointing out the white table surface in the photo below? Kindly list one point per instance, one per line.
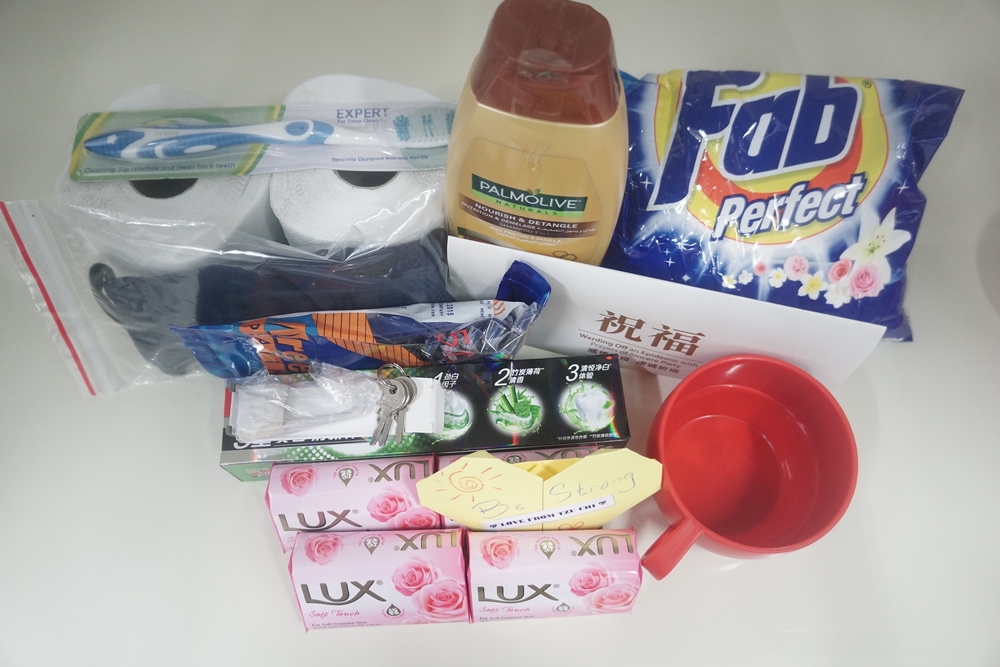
(124, 543)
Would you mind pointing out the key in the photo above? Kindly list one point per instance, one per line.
(383, 417)
(410, 388)
(396, 395)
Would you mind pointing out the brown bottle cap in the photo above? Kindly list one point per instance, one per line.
(551, 60)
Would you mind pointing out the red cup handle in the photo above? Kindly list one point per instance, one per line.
(670, 547)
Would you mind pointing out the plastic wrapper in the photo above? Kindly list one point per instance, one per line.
(329, 403)
(796, 190)
(277, 407)
(90, 271)
(237, 141)
(421, 334)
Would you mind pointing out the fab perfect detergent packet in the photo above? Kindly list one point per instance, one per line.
(793, 189)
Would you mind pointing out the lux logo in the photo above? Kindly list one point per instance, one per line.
(520, 596)
(395, 471)
(345, 597)
(410, 542)
(775, 132)
(594, 546)
(322, 523)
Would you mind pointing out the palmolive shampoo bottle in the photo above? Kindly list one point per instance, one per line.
(539, 146)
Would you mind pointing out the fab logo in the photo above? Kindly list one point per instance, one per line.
(767, 158)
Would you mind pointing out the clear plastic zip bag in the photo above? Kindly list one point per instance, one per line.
(111, 311)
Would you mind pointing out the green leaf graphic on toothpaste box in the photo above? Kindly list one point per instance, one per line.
(528, 201)
(516, 410)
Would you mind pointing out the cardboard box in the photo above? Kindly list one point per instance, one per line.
(379, 578)
(375, 494)
(503, 405)
(546, 574)
(666, 328)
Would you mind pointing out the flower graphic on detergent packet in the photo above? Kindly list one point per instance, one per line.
(862, 270)
(297, 480)
(321, 548)
(812, 285)
(876, 240)
(498, 551)
(865, 281)
(839, 270)
(796, 267)
(838, 294)
(777, 277)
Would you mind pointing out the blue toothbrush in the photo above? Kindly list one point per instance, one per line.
(427, 127)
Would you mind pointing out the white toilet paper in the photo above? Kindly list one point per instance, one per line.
(323, 211)
(211, 209)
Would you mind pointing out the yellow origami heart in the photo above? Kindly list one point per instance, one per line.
(482, 492)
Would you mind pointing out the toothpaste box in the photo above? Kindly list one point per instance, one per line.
(545, 574)
(515, 404)
(374, 494)
(379, 578)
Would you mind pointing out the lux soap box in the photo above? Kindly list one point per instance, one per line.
(375, 494)
(379, 578)
(540, 574)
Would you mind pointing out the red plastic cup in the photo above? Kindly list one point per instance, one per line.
(758, 459)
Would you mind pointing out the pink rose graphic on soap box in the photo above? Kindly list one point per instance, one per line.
(415, 517)
(297, 479)
(612, 599)
(498, 551)
(413, 574)
(387, 503)
(542, 574)
(589, 578)
(321, 548)
(360, 494)
(392, 577)
(442, 601)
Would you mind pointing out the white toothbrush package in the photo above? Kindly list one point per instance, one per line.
(237, 141)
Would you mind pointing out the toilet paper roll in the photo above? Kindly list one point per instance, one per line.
(331, 212)
(212, 210)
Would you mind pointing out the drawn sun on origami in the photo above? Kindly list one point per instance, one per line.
(470, 481)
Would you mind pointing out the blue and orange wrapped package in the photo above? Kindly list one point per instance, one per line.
(415, 335)
(794, 189)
